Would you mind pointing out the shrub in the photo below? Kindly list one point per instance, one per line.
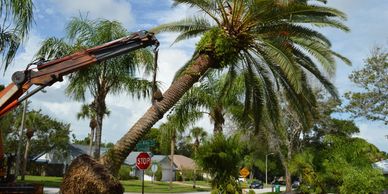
(124, 172)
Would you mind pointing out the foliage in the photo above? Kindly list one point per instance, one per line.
(48, 132)
(337, 164)
(158, 173)
(363, 181)
(153, 134)
(124, 172)
(221, 157)
(371, 102)
(264, 42)
(16, 18)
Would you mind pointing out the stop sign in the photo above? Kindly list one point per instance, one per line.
(143, 161)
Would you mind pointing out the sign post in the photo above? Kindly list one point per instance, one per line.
(143, 161)
(244, 172)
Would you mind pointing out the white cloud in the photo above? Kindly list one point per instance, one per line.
(119, 10)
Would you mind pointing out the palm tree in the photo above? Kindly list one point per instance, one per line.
(169, 132)
(212, 97)
(221, 157)
(87, 112)
(268, 40)
(199, 134)
(113, 76)
(15, 21)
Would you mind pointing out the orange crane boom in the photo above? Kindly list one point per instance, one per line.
(48, 72)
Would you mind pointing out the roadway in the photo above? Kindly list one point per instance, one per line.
(49, 190)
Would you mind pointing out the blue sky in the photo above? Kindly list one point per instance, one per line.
(367, 20)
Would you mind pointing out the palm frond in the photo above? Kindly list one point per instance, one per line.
(53, 48)
(188, 28)
(9, 44)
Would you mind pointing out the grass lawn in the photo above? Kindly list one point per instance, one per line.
(199, 183)
(129, 186)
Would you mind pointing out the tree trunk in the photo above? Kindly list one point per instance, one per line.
(25, 159)
(100, 112)
(218, 120)
(97, 145)
(288, 180)
(91, 141)
(116, 156)
(196, 145)
(172, 161)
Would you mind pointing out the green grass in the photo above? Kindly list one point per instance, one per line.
(47, 181)
(158, 187)
(129, 186)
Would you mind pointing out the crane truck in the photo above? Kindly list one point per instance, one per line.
(45, 73)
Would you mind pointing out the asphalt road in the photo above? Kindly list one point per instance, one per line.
(49, 190)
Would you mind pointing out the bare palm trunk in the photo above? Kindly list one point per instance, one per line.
(172, 161)
(97, 146)
(218, 120)
(195, 165)
(115, 156)
(92, 131)
(25, 159)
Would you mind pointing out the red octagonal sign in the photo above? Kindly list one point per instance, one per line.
(143, 161)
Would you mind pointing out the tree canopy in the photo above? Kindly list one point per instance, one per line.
(371, 102)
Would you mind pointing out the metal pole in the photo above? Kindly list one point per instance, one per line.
(142, 183)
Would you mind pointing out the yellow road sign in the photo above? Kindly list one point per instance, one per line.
(244, 172)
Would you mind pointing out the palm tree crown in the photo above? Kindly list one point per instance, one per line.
(15, 21)
(269, 43)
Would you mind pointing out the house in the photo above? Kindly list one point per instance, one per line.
(383, 165)
(55, 162)
(180, 164)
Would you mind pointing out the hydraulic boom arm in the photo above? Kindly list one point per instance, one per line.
(50, 72)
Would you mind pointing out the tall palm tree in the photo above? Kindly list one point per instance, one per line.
(199, 134)
(113, 76)
(267, 39)
(15, 21)
(169, 131)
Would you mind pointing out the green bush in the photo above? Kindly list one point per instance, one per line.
(178, 176)
(158, 173)
(251, 192)
(366, 180)
(124, 173)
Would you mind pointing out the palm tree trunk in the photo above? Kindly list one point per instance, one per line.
(91, 141)
(97, 146)
(218, 120)
(172, 161)
(25, 159)
(116, 156)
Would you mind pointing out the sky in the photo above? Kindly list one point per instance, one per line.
(366, 19)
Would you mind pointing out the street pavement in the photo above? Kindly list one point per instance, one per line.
(50, 190)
